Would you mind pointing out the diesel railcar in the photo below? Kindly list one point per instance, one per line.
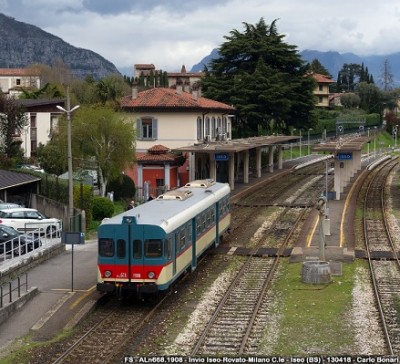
(146, 249)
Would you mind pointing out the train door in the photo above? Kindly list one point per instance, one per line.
(135, 258)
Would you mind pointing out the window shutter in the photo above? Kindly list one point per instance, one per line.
(155, 129)
(139, 129)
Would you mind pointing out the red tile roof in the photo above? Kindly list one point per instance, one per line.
(167, 98)
(158, 149)
(322, 78)
(16, 72)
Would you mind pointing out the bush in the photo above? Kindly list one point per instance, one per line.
(123, 188)
(102, 208)
(83, 200)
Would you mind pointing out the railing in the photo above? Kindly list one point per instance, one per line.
(27, 243)
(12, 289)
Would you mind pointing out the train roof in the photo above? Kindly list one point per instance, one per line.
(174, 207)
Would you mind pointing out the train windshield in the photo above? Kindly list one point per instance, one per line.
(153, 248)
(106, 247)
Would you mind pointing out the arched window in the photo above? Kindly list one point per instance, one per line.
(207, 131)
(199, 128)
(213, 127)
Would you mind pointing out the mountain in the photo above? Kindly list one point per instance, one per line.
(334, 61)
(23, 44)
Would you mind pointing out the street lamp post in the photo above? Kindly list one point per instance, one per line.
(69, 111)
(308, 141)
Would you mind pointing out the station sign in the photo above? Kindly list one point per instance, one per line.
(344, 156)
(221, 157)
(72, 238)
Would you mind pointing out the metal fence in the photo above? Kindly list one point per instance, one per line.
(26, 243)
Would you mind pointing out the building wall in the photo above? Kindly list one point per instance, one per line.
(174, 130)
(152, 173)
(45, 121)
(322, 94)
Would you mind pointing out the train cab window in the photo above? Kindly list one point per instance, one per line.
(106, 247)
(168, 248)
(137, 249)
(153, 248)
(213, 215)
(121, 248)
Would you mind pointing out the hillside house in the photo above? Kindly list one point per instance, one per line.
(188, 80)
(321, 91)
(12, 80)
(42, 116)
(174, 118)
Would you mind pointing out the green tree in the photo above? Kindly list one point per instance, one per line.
(317, 67)
(260, 58)
(370, 97)
(48, 91)
(106, 137)
(12, 121)
(53, 155)
(350, 100)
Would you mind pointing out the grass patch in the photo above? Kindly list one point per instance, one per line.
(313, 317)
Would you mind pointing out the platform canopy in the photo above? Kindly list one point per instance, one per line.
(343, 144)
(237, 145)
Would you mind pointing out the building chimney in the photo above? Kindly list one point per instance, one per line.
(134, 91)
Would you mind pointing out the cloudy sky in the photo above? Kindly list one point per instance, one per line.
(170, 33)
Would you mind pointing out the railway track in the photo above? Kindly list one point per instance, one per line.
(385, 274)
(233, 328)
(115, 327)
(102, 342)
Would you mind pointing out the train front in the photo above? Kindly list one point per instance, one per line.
(131, 257)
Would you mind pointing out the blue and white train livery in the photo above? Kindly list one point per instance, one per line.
(146, 249)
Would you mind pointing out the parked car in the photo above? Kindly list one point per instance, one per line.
(13, 239)
(8, 205)
(28, 220)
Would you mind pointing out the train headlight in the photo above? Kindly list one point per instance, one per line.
(151, 275)
(107, 274)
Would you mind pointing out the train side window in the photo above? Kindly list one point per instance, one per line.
(182, 239)
(153, 248)
(203, 221)
(137, 249)
(121, 248)
(198, 225)
(106, 247)
(209, 218)
(189, 232)
(213, 215)
(168, 248)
